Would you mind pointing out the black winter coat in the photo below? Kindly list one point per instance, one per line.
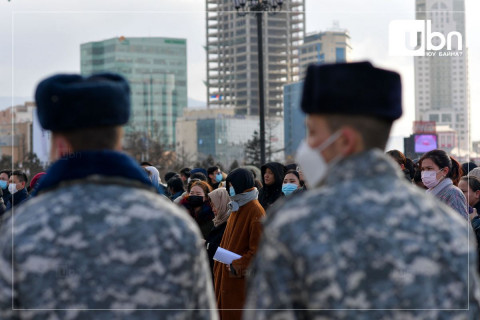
(203, 217)
(17, 198)
(213, 241)
(6, 195)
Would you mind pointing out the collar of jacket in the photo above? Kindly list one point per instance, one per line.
(80, 165)
(19, 196)
(176, 195)
(363, 165)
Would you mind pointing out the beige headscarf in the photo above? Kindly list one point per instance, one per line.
(220, 199)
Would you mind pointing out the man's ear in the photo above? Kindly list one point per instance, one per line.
(60, 147)
(350, 141)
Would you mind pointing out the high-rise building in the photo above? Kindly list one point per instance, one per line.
(232, 55)
(156, 69)
(441, 76)
(325, 47)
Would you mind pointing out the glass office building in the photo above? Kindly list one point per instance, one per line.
(222, 134)
(294, 119)
(156, 69)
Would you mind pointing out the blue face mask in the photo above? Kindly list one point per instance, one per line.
(219, 177)
(232, 192)
(3, 184)
(288, 188)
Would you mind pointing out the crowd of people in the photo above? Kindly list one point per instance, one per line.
(346, 232)
(228, 207)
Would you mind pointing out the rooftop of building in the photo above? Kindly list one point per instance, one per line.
(123, 39)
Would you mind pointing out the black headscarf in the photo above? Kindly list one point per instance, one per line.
(241, 180)
(269, 194)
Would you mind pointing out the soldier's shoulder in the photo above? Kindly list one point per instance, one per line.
(354, 205)
(116, 205)
(297, 209)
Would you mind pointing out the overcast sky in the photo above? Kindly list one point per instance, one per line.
(46, 37)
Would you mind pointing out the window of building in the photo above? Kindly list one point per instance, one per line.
(434, 117)
(340, 55)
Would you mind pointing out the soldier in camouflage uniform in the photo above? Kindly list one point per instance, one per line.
(96, 241)
(364, 243)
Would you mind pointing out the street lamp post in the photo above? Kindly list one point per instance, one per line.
(258, 7)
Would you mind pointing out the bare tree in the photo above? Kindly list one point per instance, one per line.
(270, 151)
(142, 147)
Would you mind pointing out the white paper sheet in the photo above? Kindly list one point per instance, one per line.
(225, 256)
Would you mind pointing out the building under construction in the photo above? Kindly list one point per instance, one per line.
(232, 55)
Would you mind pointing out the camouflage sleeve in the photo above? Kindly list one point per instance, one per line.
(7, 295)
(473, 280)
(273, 290)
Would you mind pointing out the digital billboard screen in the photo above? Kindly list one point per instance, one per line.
(425, 142)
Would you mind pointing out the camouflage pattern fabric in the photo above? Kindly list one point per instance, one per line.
(88, 248)
(364, 240)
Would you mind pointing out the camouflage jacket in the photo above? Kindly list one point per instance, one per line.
(103, 248)
(365, 245)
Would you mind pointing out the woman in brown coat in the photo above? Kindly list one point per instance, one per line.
(241, 236)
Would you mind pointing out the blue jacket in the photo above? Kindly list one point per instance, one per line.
(17, 198)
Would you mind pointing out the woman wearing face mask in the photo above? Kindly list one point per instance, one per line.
(291, 183)
(439, 174)
(199, 207)
(241, 236)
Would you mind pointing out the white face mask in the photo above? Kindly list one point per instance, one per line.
(311, 161)
(429, 178)
(12, 187)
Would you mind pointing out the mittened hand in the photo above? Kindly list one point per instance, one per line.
(231, 269)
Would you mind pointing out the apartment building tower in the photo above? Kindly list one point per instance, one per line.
(232, 55)
(441, 76)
